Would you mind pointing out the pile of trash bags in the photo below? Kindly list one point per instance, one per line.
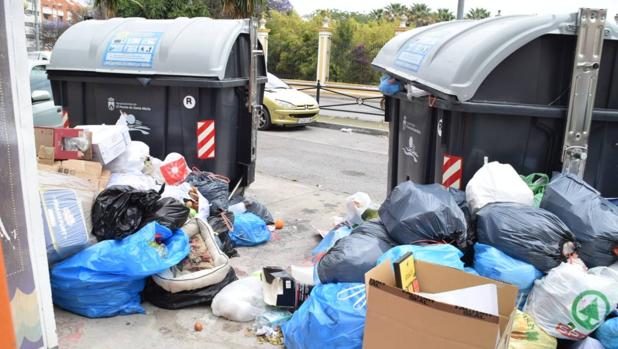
(159, 232)
(538, 234)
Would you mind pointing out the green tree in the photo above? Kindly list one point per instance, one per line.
(106, 8)
(377, 14)
(478, 13)
(394, 11)
(162, 9)
(444, 15)
(420, 15)
(241, 8)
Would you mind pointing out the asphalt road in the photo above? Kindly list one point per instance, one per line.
(332, 159)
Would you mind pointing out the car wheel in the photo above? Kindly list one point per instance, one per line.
(264, 119)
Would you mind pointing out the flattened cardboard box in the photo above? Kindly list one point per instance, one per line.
(398, 319)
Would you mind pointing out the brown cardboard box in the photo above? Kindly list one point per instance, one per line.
(49, 144)
(53, 167)
(398, 319)
(88, 170)
(105, 176)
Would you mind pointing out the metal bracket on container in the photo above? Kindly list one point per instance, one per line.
(591, 28)
(254, 106)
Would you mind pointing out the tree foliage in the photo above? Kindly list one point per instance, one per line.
(161, 9)
(477, 13)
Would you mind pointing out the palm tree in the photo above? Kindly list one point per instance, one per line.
(394, 11)
(444, 15)
(377, 14)
(420, 15)
(241, 8)
(478, 13)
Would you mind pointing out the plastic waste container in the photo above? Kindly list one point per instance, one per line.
(497, 88)
(181, 84)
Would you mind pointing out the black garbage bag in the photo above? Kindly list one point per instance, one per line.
(354, 255)
(159, 297)
(169, 212)
(528, 233)
(592, 218)
(215, 188)
(415, 213)
(119, 211)
(222, 221)
(460, 199)
(259, 210)
(227, 245)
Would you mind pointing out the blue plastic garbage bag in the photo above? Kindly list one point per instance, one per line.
(389, 86)
(607, 333)
(332, 317)
(492, 263)
(249, 230)
(105, 279)
(442, 254)
(330, 238)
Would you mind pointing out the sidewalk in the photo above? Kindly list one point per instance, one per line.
(379, 128)
(305, 210)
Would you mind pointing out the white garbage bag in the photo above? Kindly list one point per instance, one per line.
(356, 205)
(138, 181)
(241, 301)
(570, 302)
(496, 182)
(132, 160)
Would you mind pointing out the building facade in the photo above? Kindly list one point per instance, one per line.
(48, 19)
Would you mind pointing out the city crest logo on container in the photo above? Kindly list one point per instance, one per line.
(111, 104)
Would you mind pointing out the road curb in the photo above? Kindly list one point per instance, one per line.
(356, 129)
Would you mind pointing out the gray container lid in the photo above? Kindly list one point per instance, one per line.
(455, 57)
(196, 47)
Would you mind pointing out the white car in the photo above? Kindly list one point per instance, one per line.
(44, 111)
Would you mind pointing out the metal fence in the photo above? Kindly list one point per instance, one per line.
(349, 94)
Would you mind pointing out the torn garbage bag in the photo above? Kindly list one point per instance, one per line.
(593, 219)
(249, 230)
(156, 295)
(118, 211)
(570, 303)
(354, 255)
(241, 301)
(168, 212)
(215, 189)
(105, 279)
(495, 264)
(442, 254)
(332, 317)
(416, 213)
(530, 234)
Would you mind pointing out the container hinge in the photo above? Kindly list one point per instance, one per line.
(590, 33)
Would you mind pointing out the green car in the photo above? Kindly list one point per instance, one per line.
(286, 106)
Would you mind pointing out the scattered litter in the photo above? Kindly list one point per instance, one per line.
(198, 327)
(346, 130)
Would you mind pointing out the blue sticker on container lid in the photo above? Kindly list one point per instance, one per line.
(132, 49)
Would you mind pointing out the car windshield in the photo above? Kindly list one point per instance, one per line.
(275, 83)
(38, 80)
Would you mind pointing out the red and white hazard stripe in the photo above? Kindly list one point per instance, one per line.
(452, 171)
(65, 119)
(206, 139)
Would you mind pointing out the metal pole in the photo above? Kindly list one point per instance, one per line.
(37, 25)
(460, 9)
(591, 27)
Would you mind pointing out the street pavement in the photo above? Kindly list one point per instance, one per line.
(303, 177)
(335, 160)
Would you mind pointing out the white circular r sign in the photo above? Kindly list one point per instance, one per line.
(189, 102)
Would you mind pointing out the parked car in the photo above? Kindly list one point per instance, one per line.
(286, 106)
(44, 112)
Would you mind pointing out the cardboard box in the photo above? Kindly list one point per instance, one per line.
(88, 170)
(282, 290)
(53, 167)
(108, 141)
(105, 176)
(50, 144)
(398, 319)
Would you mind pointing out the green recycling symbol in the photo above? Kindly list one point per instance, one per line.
(585, 309)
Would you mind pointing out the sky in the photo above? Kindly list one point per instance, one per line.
(507, 7)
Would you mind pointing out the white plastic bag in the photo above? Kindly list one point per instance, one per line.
(241, 301)
(357, 204)
(138, 181)
(570, 303)
(496, 182)
(132, 160)
(179, 192)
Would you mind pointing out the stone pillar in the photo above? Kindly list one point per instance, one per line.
(262, 36)
(324, 43)
(403, 25)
